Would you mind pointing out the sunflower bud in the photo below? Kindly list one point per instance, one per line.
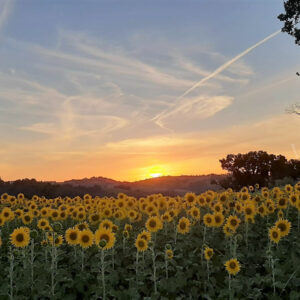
(57, 226)
(102, 243)
(168, 246)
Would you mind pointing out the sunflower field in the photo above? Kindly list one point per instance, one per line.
(225, 245)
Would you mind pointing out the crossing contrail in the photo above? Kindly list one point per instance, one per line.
(5, 9)
(187, 103)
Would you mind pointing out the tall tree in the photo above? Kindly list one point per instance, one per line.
(258, 167)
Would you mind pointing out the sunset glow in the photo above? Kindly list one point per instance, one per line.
(116, 96)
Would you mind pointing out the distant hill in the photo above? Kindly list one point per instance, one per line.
(169, 185)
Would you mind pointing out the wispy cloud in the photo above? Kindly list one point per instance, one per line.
(181, 105)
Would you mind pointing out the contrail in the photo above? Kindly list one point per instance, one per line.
(165, 114)
(5, 8)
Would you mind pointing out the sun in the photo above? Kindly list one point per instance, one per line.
(155, 171)
(155, 175)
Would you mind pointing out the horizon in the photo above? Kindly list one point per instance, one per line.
(139, 91)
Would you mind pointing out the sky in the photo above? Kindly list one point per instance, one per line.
(134, 89)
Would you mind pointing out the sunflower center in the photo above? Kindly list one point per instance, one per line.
(282, 227)
(275, 234)
(95, 217)
(141, 243)
(105, 237)
(20, 237)
(152, 224)
(233, 222)
(85, 238)
(232, 265)
(218, 219)
(73, 236)
(182, 225)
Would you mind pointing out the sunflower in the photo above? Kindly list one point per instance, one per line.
(208, 253)
(86, 238)
(19, 213)
(201, 200)
(190, 199)
(218, 219)
(42, 223)
(262, 210)
(169, 253)
(72, 235)
(280, 214)
(233, 222)
(141, 244)
(128, 227)
(288, 188)
(183, 225)
(2, 221)
(153, 224)
(126, 234)
(94, 218)
(81, 216)
(146, 235)
(7, 214)
(105, 236)
(166, 217)
(274, 234)
(209, 220)
(107, 224)
(58, 240)
(232, 266)
(44, 212)
(294, 199)
(20, 237)
(282, 203)
(284, 226)
(82, 226)
(195, 213)
(27, 218)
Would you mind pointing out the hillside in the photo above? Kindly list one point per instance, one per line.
(171, 185)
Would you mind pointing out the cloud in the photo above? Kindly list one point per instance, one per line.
(181, 106)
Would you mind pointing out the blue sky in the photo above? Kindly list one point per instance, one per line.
(92, 88)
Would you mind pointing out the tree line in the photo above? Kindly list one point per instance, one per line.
(258, 167)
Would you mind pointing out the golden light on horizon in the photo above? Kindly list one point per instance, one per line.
(155, 171)
(155, 175)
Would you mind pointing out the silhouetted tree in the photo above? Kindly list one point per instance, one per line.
(291, 18)
(257, 167)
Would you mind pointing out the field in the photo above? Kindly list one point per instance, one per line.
(226, 245)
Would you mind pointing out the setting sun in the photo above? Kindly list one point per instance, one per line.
(155, 171)
(154, 175)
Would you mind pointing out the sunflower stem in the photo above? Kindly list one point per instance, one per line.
(82, 259)
(247, 229)
(11, 274)
(103, 274)
(53, 268)
(154, 270)
(229, 288)
(32, 262)
(273, 275)
(113, 257)
(137, 264)
(207, 265)
(166, 266)
(234, 246)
